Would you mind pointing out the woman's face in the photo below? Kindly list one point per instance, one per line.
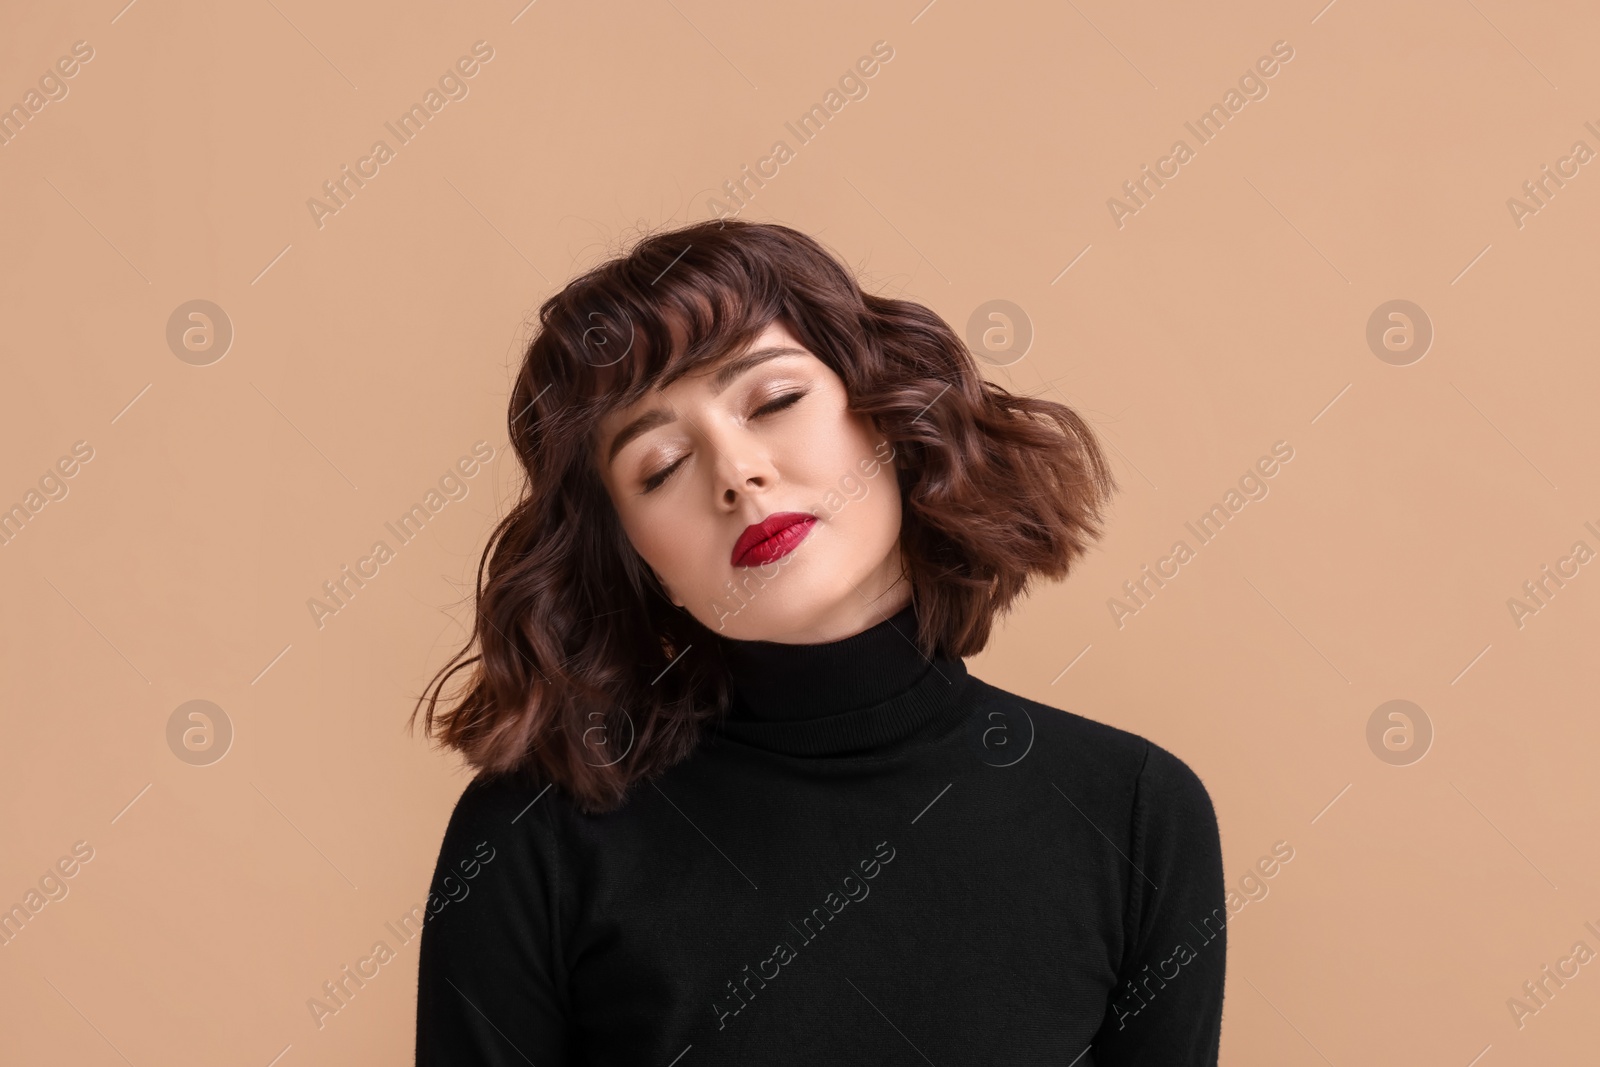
(763, 433)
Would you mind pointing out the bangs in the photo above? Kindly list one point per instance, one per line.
(645, 326)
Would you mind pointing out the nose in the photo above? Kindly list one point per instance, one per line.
(744, 465)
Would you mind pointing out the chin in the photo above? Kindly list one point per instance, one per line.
(762, 619)
(796, 616)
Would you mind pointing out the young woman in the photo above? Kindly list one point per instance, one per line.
(738, 800)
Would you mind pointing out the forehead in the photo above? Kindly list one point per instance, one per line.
(701, 377)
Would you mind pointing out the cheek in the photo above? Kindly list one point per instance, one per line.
(653, 534)
(879, 509)
(864, 508)
(827, 444)
(671, 537)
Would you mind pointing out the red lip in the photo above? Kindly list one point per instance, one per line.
(772, 538)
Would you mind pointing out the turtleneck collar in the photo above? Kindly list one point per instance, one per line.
(867, 694)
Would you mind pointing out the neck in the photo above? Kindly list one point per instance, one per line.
(872, 690)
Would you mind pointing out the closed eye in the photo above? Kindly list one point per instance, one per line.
(779, 404)
(654, 482)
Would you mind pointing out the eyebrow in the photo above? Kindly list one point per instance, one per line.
(720, 381)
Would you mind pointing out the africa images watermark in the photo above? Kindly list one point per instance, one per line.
(52, 887)
(52, 89)
(451, 486)
(1252, 486)
(337, 992)
(1537, 994)
(1539, 190)
(1540, 590)
(52, 486)
(852, 86)
(1210, 124)
(855, 889)
(341, 190)
(1252, 888)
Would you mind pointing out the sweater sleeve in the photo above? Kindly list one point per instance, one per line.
(1167, 1007)
(491, 988)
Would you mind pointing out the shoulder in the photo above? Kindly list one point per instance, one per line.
(511, 810)
(500, 846)
(1096, 754)
(489, 797)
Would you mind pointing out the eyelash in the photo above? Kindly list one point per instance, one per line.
(654, 482)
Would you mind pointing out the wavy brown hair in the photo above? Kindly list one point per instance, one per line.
(586, 673)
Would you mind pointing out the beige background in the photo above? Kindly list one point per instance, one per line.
(1227, 314)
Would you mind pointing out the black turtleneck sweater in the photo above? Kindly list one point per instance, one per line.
(874, 859)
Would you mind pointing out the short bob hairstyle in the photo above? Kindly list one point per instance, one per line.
(587, 674)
